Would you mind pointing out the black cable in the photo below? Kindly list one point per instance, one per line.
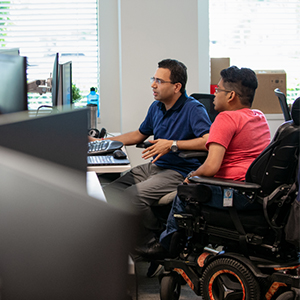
(48, 106)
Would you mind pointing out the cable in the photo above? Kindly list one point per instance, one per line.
(48, 106)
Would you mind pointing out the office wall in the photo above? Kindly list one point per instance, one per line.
(134, 36)
(274, 121)
(110, 102)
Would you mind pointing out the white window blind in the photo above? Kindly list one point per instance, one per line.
(259, 34)
(42, 28)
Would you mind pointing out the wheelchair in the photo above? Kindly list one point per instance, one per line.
(244, 255)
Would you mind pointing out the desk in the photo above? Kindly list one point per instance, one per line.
(94, 190)
(93, 186)
(109, 169)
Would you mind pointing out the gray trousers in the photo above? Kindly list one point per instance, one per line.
(141, 188)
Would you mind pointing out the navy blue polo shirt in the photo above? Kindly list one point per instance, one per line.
(187, 119)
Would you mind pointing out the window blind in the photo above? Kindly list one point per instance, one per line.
(259, 34)
(41, 29)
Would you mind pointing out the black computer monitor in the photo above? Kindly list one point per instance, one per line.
(55, 80)
(65, 85)
(13, 84)
(57, 242)
(60, 137)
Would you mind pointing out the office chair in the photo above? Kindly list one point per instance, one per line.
(283, 104)
(245, 254)
(207, 101)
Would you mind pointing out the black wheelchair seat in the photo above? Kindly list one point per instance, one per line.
(253, 221)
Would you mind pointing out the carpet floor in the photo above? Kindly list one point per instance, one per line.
(144, 288)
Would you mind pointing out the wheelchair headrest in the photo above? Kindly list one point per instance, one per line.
(295, 111)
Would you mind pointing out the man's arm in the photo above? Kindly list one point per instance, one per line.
(193, 144)
(129, 138)
(212, 163)
(162, 146)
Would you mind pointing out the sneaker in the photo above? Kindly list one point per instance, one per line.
(154, 269)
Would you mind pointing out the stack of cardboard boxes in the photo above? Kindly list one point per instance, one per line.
(216, 66)
(265, 98)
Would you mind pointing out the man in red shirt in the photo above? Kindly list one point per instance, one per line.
(237, 136)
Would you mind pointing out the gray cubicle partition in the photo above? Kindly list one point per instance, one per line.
(56, 241)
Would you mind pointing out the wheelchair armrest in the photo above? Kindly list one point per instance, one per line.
(144, 145)
(191, 153)
(239, 185)
(200, 155)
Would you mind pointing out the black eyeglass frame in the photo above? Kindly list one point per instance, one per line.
(159, 80)
(217, 90)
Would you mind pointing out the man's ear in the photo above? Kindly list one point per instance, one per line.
(177, 86)
(232, 96)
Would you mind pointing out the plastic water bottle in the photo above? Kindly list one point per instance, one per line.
(93, 98)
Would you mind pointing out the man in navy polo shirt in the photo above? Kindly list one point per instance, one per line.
(177, 122)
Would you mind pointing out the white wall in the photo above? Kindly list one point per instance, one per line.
(109, 65)
(134, 36)
(274, 121)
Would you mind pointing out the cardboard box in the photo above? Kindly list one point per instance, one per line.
(216, 66)
(265, 98)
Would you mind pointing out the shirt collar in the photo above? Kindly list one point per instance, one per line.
(180, 101)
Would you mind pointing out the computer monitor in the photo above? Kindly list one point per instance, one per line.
(55, 80)
(60, 137)
(65, 85)
(13, 84)
(56, 241)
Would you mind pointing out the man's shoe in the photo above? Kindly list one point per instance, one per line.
(154, 269)
(153, 251)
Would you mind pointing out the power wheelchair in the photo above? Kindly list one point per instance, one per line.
(229, 254)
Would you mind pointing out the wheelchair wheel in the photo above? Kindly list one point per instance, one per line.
(170, 287)
(226, 278)
(286, 296)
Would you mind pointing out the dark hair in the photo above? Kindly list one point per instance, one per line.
(243, 81)
(178, 71)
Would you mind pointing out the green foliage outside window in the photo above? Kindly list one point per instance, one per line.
(75, 93)
(3, 20)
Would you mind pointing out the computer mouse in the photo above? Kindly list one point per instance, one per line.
(119, 154)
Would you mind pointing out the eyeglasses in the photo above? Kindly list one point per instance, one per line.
(159, 81)
(217, 90)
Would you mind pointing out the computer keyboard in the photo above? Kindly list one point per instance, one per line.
(101, 147)
(105, 160)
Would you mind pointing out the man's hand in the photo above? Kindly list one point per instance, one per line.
(186, 180)
(92, 139)
(160, 147)
(191, 174)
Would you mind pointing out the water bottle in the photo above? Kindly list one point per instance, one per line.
(93, 98)
(92, 116)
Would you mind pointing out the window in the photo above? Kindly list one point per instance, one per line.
(259, 34)
(42, 28)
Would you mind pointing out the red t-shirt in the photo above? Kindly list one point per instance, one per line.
(245, 134)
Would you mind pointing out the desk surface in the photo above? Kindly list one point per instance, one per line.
(109, 169)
